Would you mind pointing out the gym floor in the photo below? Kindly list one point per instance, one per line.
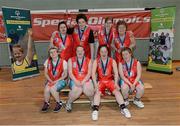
(21, 101)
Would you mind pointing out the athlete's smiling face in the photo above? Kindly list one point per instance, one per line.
(53, 53)
(63, 29)
(126, 56)
(121, 29)
(108, 24)
(81, 23)
(103, 52)
(80, 52)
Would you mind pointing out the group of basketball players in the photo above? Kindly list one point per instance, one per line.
(72, 61)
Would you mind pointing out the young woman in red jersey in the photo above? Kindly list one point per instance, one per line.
(62, 41)
(130, 72)
(79, 69)
(122, 38)
(105, 35)
(82, 35)
(55, 70)
(107, 78)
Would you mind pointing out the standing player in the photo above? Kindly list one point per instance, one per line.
(105, 34)
(83, 35)
(62, 41)
(122, 38)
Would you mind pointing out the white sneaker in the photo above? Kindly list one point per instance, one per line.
(95, 115)
(139, 103)
(126, 102)
(68, 107)
(126, 113)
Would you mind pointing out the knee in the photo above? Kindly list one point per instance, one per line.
(46, 90)
(140, 88)
(124, 88)
(97, 93)
(116, 91)
(88, 92)
(76, 89)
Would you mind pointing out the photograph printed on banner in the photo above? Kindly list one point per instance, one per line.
(22, 52)
(160, 49)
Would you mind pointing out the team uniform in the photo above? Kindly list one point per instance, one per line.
(121, 43)
(55, 71)
(65, 43)
(105, 38)
(130, 72)
(79, 70)
(106, 81)
(83, 38)
(105, 75)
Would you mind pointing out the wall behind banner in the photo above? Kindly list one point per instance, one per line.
(142, 45)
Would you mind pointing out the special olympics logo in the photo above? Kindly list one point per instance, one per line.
(17, 13)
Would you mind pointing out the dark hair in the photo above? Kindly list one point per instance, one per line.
(108, 18)
(53, 47)
(79, 46)
(61, 22)
(127, 49)
(121, 22)
(18, 46)
(81, 16)
(101, 46)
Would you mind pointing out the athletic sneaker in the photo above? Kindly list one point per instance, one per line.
(68, 107)
(138, 103)
(58, 107)
(126, 102)
(45, 107)
(95, 115)
(126, 113)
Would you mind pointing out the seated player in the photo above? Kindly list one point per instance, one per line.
(79, 69)
(107, 78)
(130, 73)
(55, 72)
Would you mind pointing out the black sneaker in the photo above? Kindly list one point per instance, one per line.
(58, 107)
(45, 107)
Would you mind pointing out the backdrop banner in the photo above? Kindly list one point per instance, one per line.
(161, 39)
(44, 23)
(21, 47)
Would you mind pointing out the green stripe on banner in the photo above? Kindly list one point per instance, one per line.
(19, 76)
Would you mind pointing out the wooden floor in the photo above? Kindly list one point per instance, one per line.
(21, 101)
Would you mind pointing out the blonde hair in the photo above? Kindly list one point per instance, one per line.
(19, 47)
